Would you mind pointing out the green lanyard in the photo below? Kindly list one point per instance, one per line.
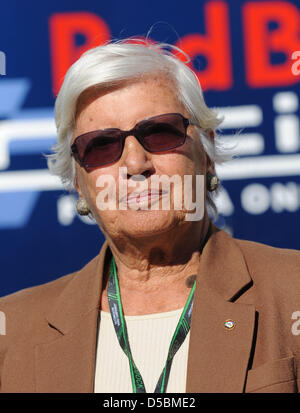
(117, 316)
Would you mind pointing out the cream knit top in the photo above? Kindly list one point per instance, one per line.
(149, 337)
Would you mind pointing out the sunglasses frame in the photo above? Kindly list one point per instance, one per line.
(123, 136)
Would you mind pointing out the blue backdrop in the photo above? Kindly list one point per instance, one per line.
(245, 54)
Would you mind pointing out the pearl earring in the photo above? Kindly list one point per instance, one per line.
(212, 182)
(82, 207)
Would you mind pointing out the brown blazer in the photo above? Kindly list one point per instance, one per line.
(51, 329)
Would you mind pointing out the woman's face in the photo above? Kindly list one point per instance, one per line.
(122, 108)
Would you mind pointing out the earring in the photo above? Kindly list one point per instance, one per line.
(212, 182)
(82, 207)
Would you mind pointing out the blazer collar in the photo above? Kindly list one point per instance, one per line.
(219, 357)
(222, 266)
(65, 362)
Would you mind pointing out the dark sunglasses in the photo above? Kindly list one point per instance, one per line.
(157, 134)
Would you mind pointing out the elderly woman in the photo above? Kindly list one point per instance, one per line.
(172, 303)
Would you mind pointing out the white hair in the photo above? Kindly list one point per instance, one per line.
(120, 61)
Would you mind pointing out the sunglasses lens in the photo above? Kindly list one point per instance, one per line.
(102, 150)
(163, 133)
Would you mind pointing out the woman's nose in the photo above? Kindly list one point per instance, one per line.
(135, 158)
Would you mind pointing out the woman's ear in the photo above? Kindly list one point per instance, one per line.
(210, 166)
(76, 185)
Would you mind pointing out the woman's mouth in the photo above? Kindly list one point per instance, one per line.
(144, 197)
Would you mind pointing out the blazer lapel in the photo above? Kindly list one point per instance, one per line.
(218, 357)
(66, 362)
